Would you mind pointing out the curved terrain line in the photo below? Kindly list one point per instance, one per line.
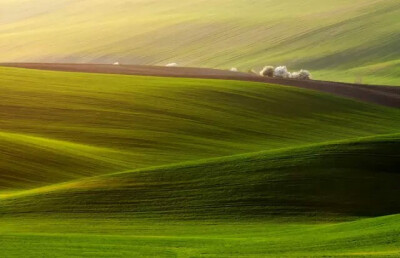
(89, 181)
(382, 95)
(84, 150)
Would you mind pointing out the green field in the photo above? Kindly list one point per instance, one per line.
(96, 165)
(75, 124)
(353, 41)
(41, 237)
(323, 181)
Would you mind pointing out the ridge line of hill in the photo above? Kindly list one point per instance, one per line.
(86, 182)
(382, 95)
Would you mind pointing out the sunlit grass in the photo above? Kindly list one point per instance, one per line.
(316, 35)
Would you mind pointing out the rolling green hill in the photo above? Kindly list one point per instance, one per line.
(337, 40)
(236, 206)
(133, 166)
(59, 126)
(352, 178)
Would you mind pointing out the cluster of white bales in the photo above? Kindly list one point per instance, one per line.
(282, 72)
(268, 71)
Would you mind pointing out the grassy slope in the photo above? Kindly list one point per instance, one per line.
(27, 161)
(227, 201)
(33, 237)
(114, 122)
(338, 40)
(351, 178)
(224, 203)
(65, 126)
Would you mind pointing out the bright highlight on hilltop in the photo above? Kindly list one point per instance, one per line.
(352, 41)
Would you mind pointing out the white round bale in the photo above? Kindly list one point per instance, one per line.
(281, 72)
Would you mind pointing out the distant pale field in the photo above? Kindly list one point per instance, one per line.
(355, 41)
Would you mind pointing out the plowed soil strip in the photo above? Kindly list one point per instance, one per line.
(382, 95)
